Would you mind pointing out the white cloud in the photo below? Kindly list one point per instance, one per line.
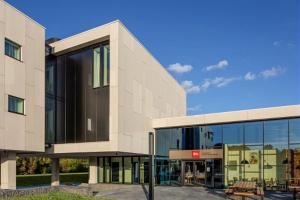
(272, 72)
(220, 65)
(226, 81)
(190, 87)
(179, 68)
(250, 76)
(195, 108)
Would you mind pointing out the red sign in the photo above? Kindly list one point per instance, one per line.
(195, 154)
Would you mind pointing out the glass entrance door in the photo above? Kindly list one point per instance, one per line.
(201, 173)
(199, 178)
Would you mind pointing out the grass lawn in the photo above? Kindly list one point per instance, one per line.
(57, 196)
(45, 179)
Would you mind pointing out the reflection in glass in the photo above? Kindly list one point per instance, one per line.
(294, 128)
(96, 68)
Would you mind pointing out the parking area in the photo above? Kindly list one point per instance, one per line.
(139, 192)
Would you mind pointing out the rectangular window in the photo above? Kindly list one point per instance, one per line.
(12, 49)
(15, 105)
(106, 65)
(96, 68)
(101, 65)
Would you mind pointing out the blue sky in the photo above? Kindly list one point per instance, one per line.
(229, 55)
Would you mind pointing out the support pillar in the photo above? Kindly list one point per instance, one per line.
(55, 172)
(93, 170)
(8, 170)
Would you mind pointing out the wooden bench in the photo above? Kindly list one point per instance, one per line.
(229, 191)
(244, 194)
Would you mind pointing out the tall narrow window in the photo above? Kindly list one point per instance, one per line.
(12, 49)
(15, 105)
(106, 63)
(96, 68)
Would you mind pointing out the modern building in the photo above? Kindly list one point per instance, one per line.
(104, 92)
(22, 99)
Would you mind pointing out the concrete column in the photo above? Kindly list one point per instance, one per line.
(93, 170)
(8, 170)
(55, 172)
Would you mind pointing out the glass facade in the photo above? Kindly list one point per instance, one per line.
(77, 95)
(267, 152)
(130, 170)
(15, 105)
(12, 49)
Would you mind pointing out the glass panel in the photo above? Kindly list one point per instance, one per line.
(107, 170)
(200, 172)
(135, 169)
(167, 139)
(116, 170)
(175, 172)
(106, 64)
(253, 163)
(15, 105)
(50, 78)
(50, 120)
(96, 68)
(162, 172)
(191, 138)
(12, 49)
(144, 170)
(295, 164)
(254, 133)
(294, 125)
(233, 134)
(188, 173)
(275, 152)
(127, 170)
(101, 170)
(212, 137)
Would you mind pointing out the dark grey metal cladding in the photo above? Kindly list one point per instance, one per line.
(82, 112)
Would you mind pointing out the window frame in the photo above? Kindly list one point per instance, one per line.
(11, 111)
(15, 44)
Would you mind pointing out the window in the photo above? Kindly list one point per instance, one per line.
(101, 65)
(96, 68)
(15, 105)
(106, 65)
(12, 49)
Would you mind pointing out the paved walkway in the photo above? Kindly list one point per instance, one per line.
(138, 192)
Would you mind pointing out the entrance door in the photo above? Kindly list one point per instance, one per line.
(188, 173)
(199, 172)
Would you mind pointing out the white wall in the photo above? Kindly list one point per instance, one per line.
(145, 90)
(23, 79)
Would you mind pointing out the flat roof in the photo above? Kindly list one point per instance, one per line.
(229, 117)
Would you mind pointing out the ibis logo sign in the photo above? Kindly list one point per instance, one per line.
(195, 154)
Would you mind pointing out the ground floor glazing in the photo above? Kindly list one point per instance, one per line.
(125, 169)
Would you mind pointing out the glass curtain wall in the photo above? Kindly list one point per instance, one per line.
(267, 152)
(77, 95)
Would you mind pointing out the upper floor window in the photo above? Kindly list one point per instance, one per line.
(101, 64)
(15, 105)
(12, 49)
